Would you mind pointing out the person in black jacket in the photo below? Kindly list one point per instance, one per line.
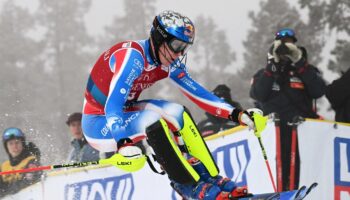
(214, 124)
(288, 85)
(338, 94)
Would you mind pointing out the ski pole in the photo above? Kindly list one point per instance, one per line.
(117, 160)
(260, 124)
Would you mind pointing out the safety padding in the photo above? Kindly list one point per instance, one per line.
(196, 146)
(168, 154)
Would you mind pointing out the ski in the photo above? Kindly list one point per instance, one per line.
(299, 194)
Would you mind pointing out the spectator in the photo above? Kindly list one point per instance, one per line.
(287, 86)
(338, 94)
(22, 155)
(81, 151)
(214, 124)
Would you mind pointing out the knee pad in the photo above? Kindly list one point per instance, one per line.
(196, 145)
(168, 155)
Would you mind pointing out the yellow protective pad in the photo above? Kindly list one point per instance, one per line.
(169, 155)
(196, 146)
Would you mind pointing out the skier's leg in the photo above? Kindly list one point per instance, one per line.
(96, 133)
(182, 125)
(224, 183)
(171, 159)
(184, 179)
(104, 135)
(168, 154)
(195, 143)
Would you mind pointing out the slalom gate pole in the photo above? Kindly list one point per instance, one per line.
(278, 153)
(260, 124)
(292, 157)
(117, 160)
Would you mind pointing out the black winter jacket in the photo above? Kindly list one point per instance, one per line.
(338, 94)
(289, 91)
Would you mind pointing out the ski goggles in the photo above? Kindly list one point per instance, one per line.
(286, 32)
(178, 46)
(12, 133)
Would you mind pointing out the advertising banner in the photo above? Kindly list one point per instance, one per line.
(236, 151)
(325, 158)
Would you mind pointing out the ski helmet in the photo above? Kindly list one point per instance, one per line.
(173, 28)
(12, 133)
(285, 33)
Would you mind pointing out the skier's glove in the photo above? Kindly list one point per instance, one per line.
(130, 152)
(244, 117)
(295, 54)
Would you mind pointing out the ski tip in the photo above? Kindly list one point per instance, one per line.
(312, 186)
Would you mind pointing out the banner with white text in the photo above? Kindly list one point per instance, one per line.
(236, 151)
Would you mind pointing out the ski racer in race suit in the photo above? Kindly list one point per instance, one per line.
(115, 120)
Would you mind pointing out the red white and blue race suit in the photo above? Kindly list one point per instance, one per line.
(112, 110)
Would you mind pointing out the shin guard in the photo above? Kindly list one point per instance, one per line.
(196, 145)
(168, 154)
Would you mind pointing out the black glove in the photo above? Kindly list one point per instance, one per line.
(244, 118)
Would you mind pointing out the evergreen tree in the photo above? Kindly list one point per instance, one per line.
(68, 61)
(134, 24)
(18, 59)
(338, 18)
(212, 55)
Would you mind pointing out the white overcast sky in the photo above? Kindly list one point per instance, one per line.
(231, 16)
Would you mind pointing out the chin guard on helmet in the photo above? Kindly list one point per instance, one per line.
(168, 155)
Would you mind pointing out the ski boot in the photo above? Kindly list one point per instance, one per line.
(225, 184)
(201, 190)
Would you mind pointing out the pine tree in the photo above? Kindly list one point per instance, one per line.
(135, 23)
(338, 17)
(212, 55)
(18, 54)
(68, 61)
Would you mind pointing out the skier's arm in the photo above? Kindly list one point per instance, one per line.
(199, 95)
(339, 91)
(261, 87)
(206, 100)
(127, 65)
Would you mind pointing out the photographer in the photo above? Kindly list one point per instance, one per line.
(287, 86)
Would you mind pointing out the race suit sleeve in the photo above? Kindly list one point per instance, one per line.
(261, 86)
(127, 65)
(198, 94)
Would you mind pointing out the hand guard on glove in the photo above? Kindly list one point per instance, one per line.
(245, 117)
(130, 152)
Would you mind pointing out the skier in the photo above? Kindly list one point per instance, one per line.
(115, 120)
